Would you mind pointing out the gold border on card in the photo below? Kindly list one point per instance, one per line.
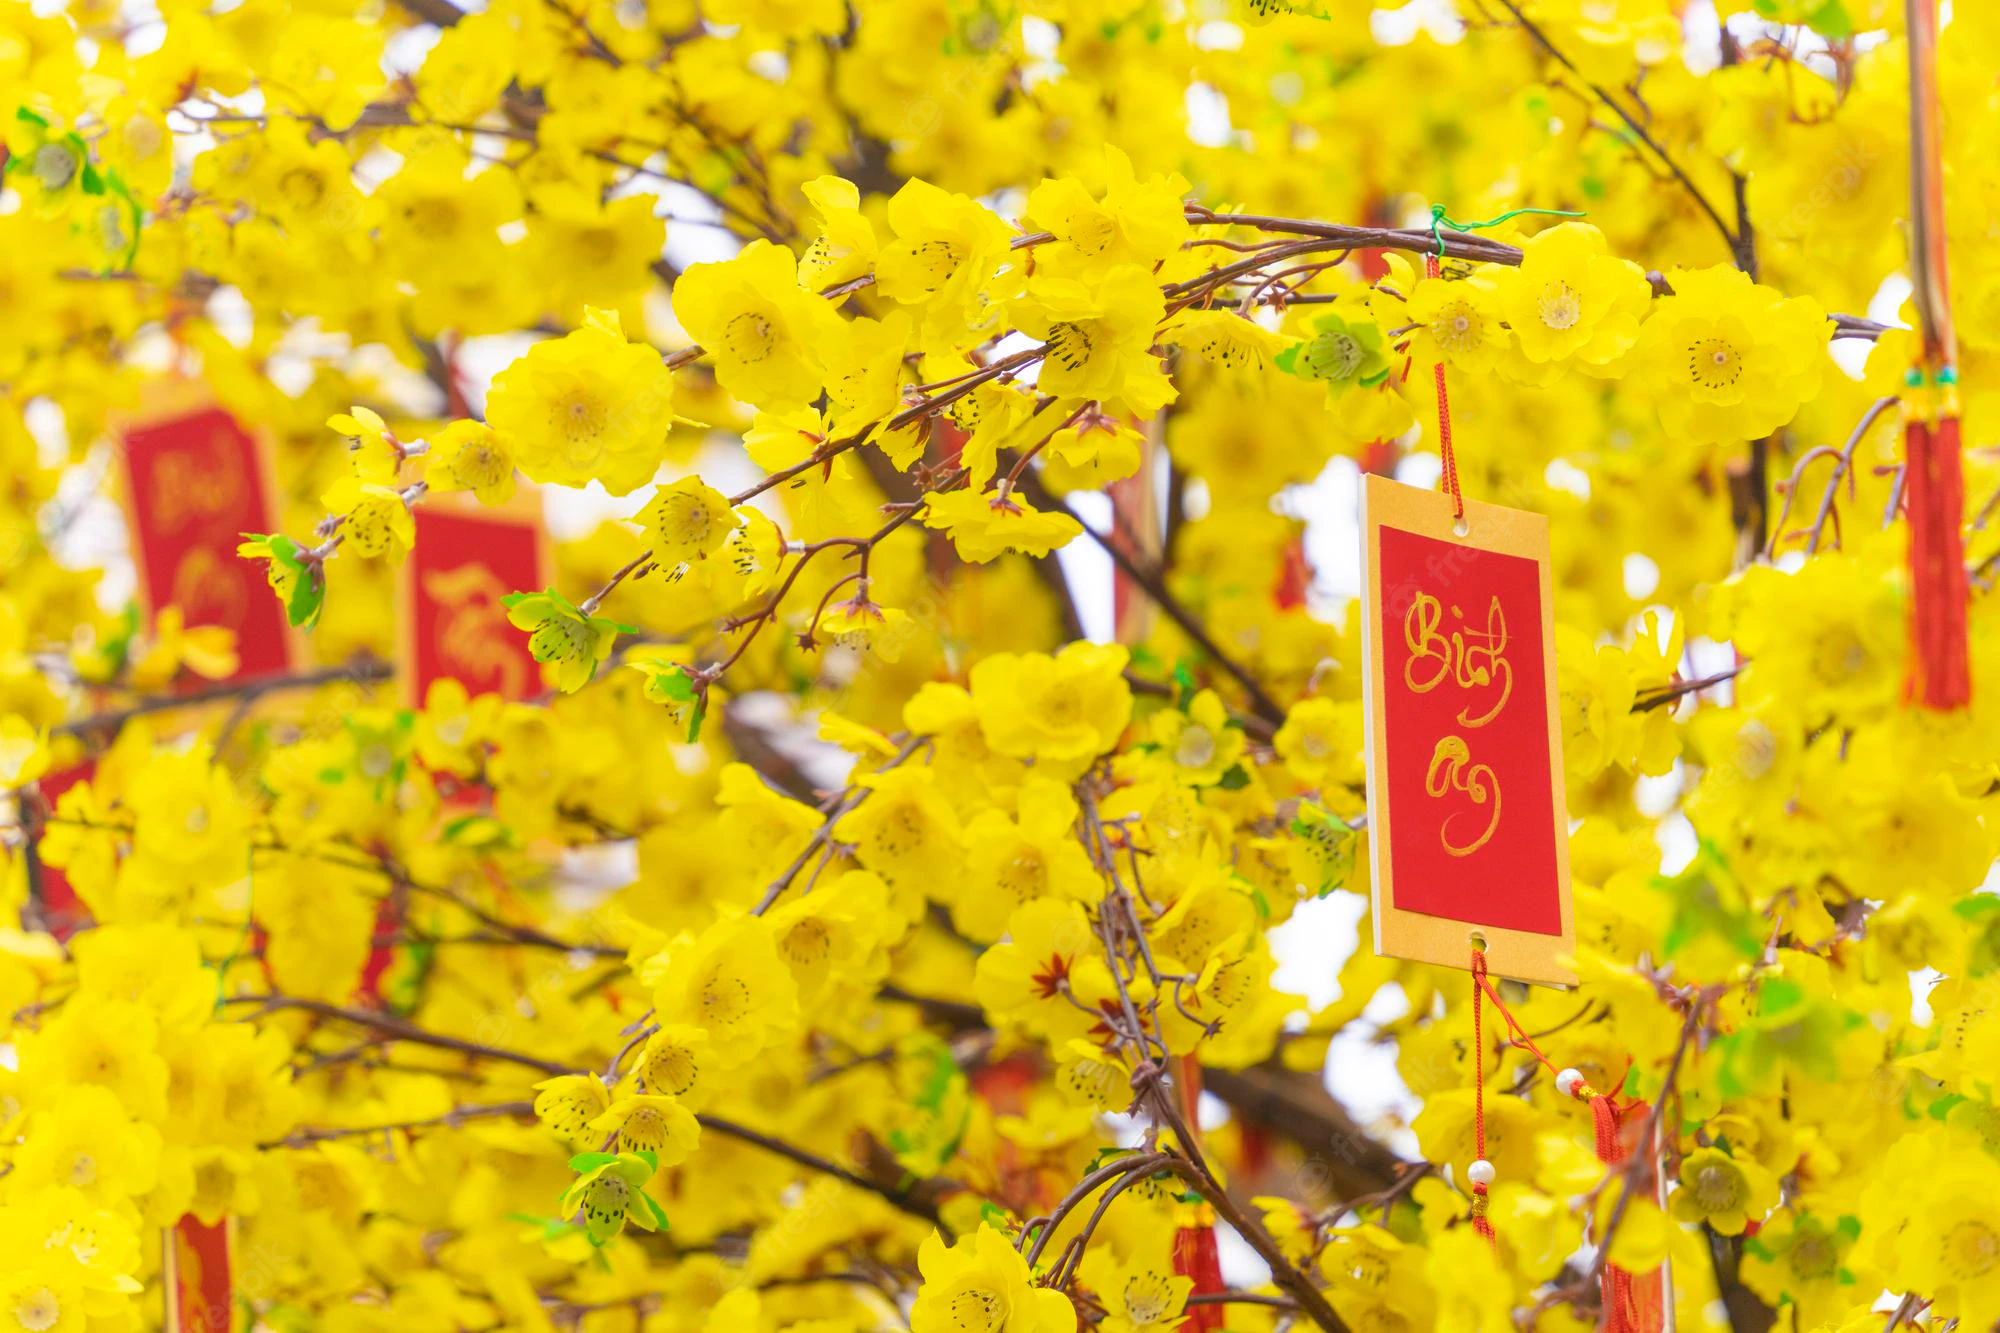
(1399, 933)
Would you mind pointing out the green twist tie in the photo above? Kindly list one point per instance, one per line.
(1439, 220)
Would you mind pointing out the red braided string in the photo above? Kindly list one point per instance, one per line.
(1480, 1221)
(1631, 1304)
(1444, 421)
(1610, 1145)
(1520, 1039)
(1934, 498)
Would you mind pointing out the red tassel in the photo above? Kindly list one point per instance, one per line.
(1632, 1303)
(198, 1261)
(62, 912)
(1933, 484)
(381, 952)
(1295, 576)
(1940, 674)
(1195, 1256)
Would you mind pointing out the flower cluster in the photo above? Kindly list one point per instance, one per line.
(830, 906)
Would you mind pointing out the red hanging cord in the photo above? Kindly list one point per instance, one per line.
(1480, 1221)
(1520, 1038)
(1444, 422)
(1633, 1303)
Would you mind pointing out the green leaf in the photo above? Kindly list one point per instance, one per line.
(1778, 994)
(513, 599)
(1831, 21)
(552, 1227)
(940, 1102)
(1709, 907)
(676, 684)
(590, 1161)
(1976, 905)
(308, 597)
(1332, 843)
(1104, 1155)
(464, 824)
(659, 1213)
(308, 580)
(1235, 779)
(695, 718)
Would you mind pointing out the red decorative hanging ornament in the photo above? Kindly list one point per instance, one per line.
(1446, 455)
(1480, 1174)
(1469, 837)
(1632, 1302)
(1443, 747)
(1940, 673)
(1195, 1253)
(1195, 1256)
(199, 1261)
(1295, 576)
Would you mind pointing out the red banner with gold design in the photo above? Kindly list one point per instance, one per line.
(199, 1257)
(195, 481)
(466, 558)
(1468, 828)
(62, 912)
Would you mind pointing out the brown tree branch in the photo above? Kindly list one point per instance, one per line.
(1154, 585)
(452, 1119)
(359, 673)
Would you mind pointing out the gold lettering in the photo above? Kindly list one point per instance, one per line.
(472, 636)
(1472, 659)
(1452, 770)
(189, 485)
(208, 590)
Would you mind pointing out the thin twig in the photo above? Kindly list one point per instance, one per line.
(1632, 123)
(359, 673)
(1155, 587)
(451, 1119)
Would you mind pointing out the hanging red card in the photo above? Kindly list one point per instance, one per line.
(200, 1287)
(62, 912)
(196, 480)
(468, 556)
(1467, 826)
